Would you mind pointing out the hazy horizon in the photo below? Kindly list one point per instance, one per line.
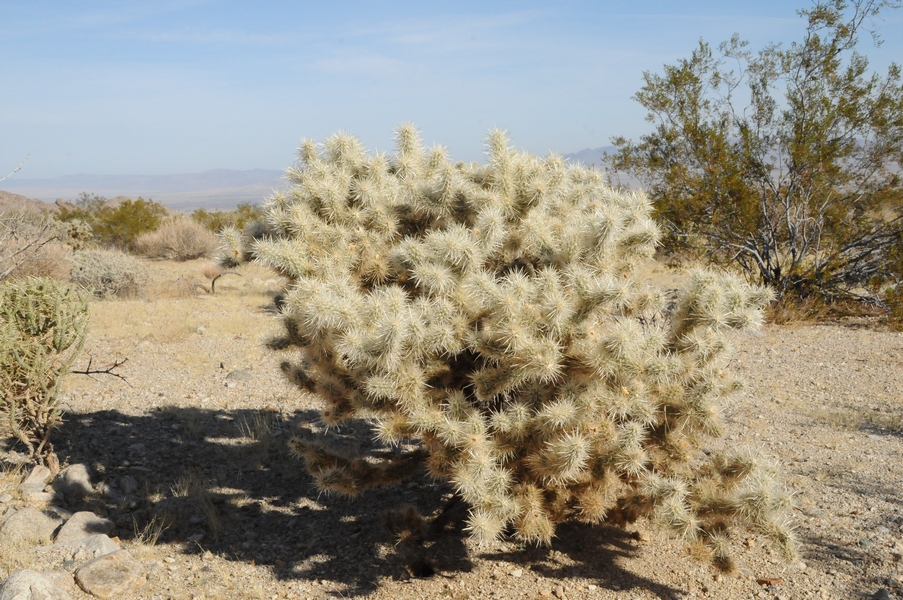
(184, 86)
(212, 189)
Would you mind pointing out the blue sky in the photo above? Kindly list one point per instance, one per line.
(176, 86)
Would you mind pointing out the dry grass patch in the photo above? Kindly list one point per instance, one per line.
(176, 306)
(861, 419)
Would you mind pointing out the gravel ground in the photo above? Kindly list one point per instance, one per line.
(201, 427)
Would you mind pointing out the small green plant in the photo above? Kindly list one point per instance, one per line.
(215, 221)
(108, 273)
(42, 330)
(491, 316)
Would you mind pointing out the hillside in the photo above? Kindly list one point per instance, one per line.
(10, 201)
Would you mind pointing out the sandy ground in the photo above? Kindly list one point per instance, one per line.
(202, 421)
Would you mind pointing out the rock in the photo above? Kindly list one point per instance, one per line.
(517, 573)
(110, 576)
(38, 499)
(39, 475)
(881, 594)
(127, 485)
(31, 585)
(82, 524)
(36, 480)
(93, 545)
(73, 483)
(240, 375)
(4, 498)
(29, 525)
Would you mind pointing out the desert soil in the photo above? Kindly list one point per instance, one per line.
(202, 422)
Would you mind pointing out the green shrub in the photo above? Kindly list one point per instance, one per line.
(117, 225)
(491, 316)
(216, 221)
(42, 330)
(108, 273)
(179, 238)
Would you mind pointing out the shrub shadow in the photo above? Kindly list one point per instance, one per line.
(223, 481)
(593, 552)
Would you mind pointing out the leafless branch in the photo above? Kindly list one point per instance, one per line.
(16, 170)
(109, 370)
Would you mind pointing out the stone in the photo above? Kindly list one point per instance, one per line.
(73, 483)
(240, 375)
(93, 545)
(110, 576)
(38, 499)
(881, 594)
(29, 525)
(31, 585)
(39, 476)
(127, 485)
(82, 524)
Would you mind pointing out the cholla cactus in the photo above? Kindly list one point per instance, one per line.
(491, 315)
(43, 326)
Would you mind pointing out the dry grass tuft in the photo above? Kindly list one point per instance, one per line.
(179, 238)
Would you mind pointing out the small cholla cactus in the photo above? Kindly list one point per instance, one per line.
(492, 316)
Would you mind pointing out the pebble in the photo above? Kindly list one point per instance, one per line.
(517, 572)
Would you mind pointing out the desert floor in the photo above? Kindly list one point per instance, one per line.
(222, 510)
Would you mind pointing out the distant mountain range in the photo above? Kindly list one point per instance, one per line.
(220, 189)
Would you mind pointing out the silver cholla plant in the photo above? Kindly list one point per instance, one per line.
(491, 315)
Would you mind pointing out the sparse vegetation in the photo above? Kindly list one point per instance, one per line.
(215, 221)
(108, 273)
(42, 330)
(491, 316)
(178, 238)
(114, 225)
(30, 246)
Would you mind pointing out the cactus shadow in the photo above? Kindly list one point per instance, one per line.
(223, 481)
(592, 552)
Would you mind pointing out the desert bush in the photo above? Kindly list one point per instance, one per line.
(114, 225)
(179, 238)
(30, 245)
(216, 220)
(108, 273)
(42, 329)
(783, 162)
(490, 315)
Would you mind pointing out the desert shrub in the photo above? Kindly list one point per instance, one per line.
(490, 316)
(179, 238)
(108, 273)
(763, 160)
(216, 220)
(42, 330)
(31, 246)
(117, 225)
